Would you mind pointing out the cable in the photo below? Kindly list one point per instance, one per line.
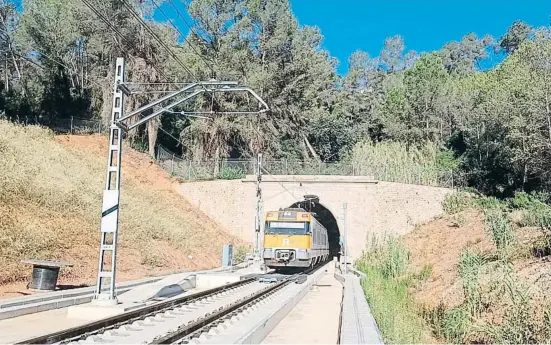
(167, 48)
(185, 39)
(282, 185)
(116, 31)
(170, 135)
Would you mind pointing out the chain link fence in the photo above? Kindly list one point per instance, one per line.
(72, 125)
(238, 168)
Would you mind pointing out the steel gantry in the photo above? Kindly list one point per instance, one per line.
(105, 292)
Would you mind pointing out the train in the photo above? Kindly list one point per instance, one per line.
(294, 239)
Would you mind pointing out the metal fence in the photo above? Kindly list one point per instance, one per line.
(238, 168)
(72, 125)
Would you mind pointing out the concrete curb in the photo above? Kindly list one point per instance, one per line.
(18, 306)
(358, 326)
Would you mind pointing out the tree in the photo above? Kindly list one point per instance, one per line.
(392, 54)
(516, 35)
(462, 57)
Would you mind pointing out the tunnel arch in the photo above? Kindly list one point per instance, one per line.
(326, 218)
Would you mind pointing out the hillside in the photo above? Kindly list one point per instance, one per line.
(50, 203)
(478, 274)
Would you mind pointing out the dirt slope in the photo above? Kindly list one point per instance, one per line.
(50, 205)
(438, 244)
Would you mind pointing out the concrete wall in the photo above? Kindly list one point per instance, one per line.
(373, 206)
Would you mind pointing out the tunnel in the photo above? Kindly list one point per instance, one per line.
(326, 218)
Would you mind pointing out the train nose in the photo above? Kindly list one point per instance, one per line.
(284, 255)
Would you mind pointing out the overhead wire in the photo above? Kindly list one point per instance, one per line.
(116, 31)
(281, 184)
(158, 39)
(209, 66)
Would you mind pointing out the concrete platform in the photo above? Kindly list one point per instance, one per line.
(315, 319)
(19, 306)
(92, 311)
(212, 280)
(167, 287)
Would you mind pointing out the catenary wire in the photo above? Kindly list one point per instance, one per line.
(209, 66)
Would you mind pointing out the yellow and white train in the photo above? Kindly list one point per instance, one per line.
(293, 238)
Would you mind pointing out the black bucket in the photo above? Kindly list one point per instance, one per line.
(44, 278)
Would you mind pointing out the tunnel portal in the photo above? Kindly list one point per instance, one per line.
(326, 218)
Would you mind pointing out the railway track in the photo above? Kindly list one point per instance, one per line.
(178, 320)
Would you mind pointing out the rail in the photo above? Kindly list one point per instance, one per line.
(73, 334)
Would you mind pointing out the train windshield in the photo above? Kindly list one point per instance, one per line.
(287, 228)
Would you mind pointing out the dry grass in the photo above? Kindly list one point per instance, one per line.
(395, 162)
(50, 205)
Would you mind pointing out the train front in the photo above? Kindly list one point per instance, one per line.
(287, 239)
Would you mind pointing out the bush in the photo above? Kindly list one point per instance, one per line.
(230, 173)
(534, 209)
(457, 202)
(240, 253)
(390, 257)
(456, 325)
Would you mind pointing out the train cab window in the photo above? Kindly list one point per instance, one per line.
(288, 228)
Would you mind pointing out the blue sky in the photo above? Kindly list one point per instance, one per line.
(425, 25)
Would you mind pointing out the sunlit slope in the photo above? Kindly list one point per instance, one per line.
(50, 207)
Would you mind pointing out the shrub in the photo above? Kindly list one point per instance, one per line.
(390, 257)
(230, 173)
(534, 209)
(456, 325)
(457, 202)
(240, 253)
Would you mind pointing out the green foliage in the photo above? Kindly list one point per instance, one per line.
(388, 296)
(490, 203)
(456, 325)
(231, 173)
(518, 326)
(534, 209)
(396, 162)
(456, 202)
(500, 229)
(452, 325)
(388, 255)
(391, 114)
(470, 263)
(240, 253)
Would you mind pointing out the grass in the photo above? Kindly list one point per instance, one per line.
(387, 292)
(499, 227)
(50, 205)
(470, 263)
(396, 162)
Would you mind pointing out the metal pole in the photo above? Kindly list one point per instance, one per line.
(111, 196)
(258, 216)
(345, 251)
